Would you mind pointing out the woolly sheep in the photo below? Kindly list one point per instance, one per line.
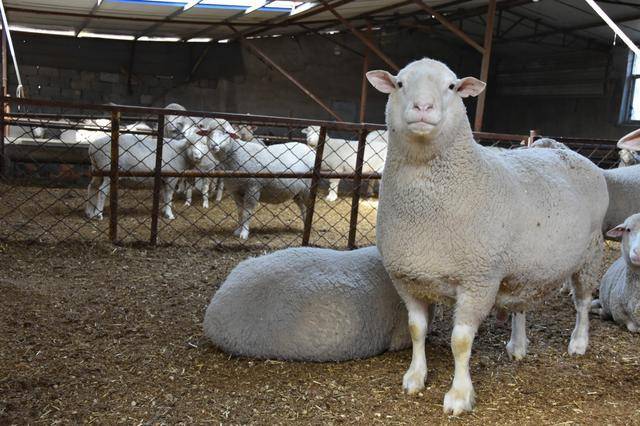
(462, 224)
(253, 158)
(548, 143)
(620, 286)
(308, 304)
(623, 184)
(340, 156)
(139, 155)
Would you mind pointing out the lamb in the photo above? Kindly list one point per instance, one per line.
(308, 304)
(139, 155)
(623, 184)
(251, 157)
(462, 224)
(620, 286)
(340, 156)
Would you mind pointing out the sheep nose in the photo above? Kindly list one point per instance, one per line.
(422, 106)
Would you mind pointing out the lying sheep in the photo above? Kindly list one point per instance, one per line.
(462, 224)
(340, 156)
(139, 155)
(251, 157)
(620, 286)
(308, 304)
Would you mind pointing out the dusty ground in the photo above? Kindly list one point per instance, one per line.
(95, 333)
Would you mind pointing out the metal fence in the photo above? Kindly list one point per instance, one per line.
(90, 172)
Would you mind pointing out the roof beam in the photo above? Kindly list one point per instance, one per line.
(93, 11)
(450, 26)
(365, 40)
(226, 20)
(168, 18)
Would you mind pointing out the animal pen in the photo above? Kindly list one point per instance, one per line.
(45, 174)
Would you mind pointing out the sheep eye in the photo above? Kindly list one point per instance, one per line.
(400, 85)
(627, 230)
(451, 86)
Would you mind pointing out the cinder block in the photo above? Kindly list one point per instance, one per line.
(48, 71)
(109, 77)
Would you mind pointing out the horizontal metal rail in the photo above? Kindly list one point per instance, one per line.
(237, 174)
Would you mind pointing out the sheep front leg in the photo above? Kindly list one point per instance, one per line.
(517, 346)
(471, 309)
(247, 205)
(333, 190)
(219, 189)
(205, 192)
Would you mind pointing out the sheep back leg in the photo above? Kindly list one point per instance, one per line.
(188, 192)
(471, 308)
(418, 310)
(517, 346)
(168, 188)
(301, 202)
(246, 205)
(103, 191)
(219, 189)
(333, 190)
(584, 282)
(92, 197)
(206, 182)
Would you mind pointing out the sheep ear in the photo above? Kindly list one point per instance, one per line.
(382, 80)
(470, 86)
(616, 232)
(630, 141)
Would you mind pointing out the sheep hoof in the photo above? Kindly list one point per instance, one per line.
(99, 216)
(205, 204)
(332, 197)
(169, 216)
(413, 381)
(457, 401)
(516, 352)
(632, 327)
(187, 203)
(578, 346)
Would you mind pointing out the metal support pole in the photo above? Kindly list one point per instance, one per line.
(4, 129)
(533, 134)
(484, 68)
(365, 83)
(115, 157)
(355, 200)
(315, 179)
(157, 182)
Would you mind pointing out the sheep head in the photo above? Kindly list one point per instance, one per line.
(423, 97)
(313, 135)
(205, 134)
(630, 246)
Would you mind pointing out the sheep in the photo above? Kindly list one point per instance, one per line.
(623, 184)
(139, 155)
(462, 224)
(308, 304)
(340, 156)
(548, 143)
(246, 133)
(620, 287)
(252, 157)
(628, 158)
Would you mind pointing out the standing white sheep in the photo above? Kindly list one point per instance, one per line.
(140, 155)
(620, 286)
(308, 304)
(253, 158)
(340, 156)
(466, 225)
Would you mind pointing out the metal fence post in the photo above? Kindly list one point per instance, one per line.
(3, 158)
(532, 137)
(355, 200)
(315, 179)
(115, 157)
(157, 181)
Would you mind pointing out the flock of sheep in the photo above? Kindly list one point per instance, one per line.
(208, 144)
(458, 224)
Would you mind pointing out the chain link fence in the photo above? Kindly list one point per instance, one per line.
(171, 176)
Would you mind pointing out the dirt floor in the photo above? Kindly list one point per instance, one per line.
(97, 333)
(93, 333)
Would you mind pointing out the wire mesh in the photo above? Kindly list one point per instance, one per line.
(226, 180)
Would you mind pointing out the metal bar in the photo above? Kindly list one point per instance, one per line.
(486, 60)
(249, 118)
(236, 174)
(4, 128)
(372, 47)
(84, 24)
(370, 13)
(450, 26)
(157, 182)
(3, 158)
(331, 40)
(288, 76)
(365, 84)
(113, 174)
(355, 199)
(532, 137)
(315, 179)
